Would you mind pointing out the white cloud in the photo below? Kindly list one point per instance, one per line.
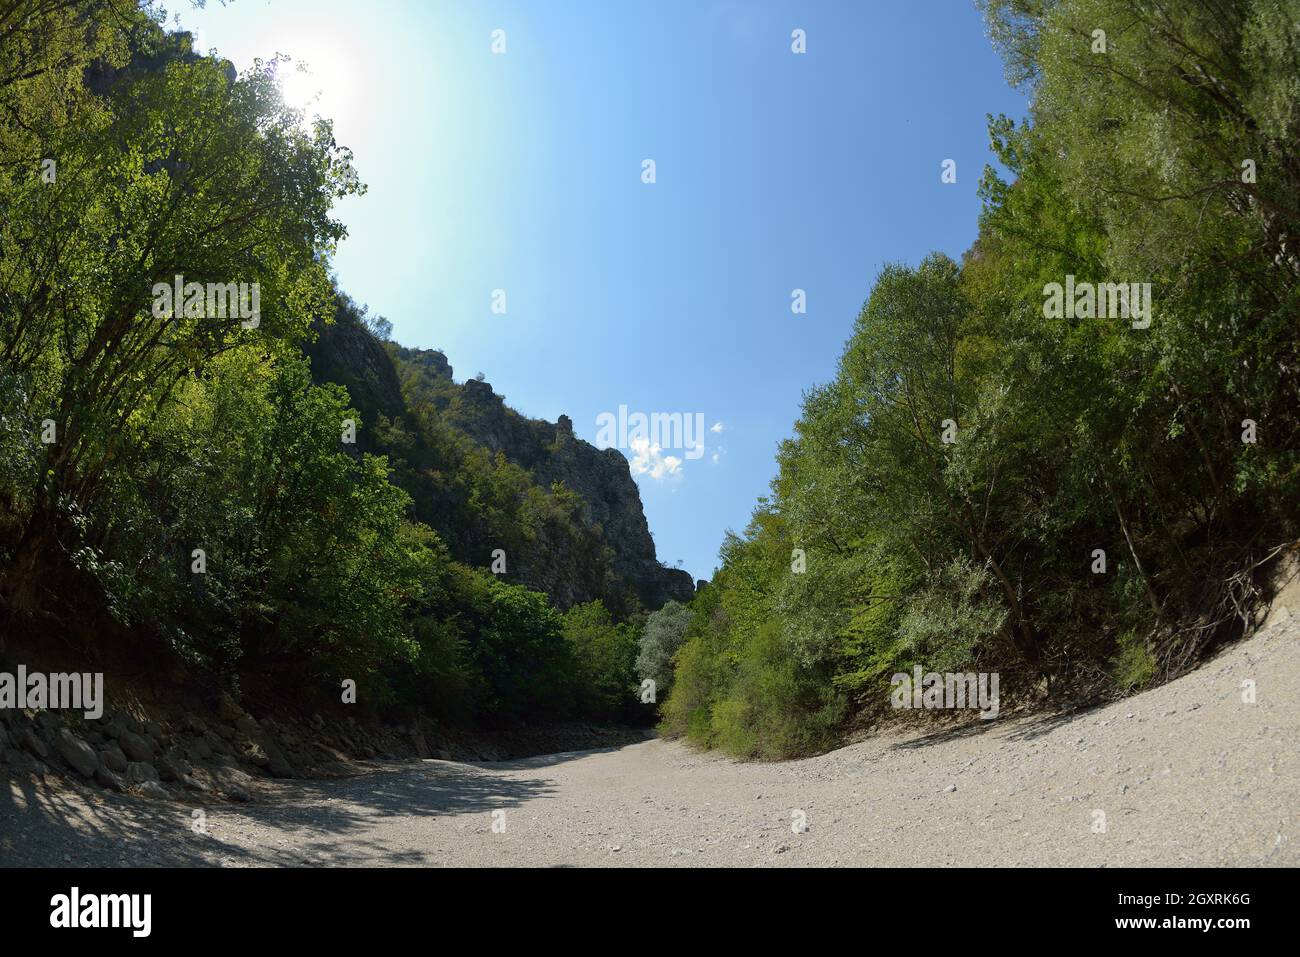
(649, 460)
(717, 427)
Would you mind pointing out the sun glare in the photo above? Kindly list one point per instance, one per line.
(318, 79)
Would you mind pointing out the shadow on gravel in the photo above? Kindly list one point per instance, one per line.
(293, 823)
(327, 818)
(44, 826)
(550, 760)
(1022, 728)
(942, 735)
(1048, 723)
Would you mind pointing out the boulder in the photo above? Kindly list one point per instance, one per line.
(231, 782)
(237, 792)
(76, 752)
(277, 763)
(109, 779)
(138, 772)
(137, 748)
(112, 758)
(193, 723)
(152, 789)
(172, 766)
(114, 726)
(34, 745)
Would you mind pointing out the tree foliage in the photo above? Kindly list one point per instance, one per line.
(950, 489)
(175, 473)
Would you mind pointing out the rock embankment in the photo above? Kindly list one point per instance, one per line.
(225, 753)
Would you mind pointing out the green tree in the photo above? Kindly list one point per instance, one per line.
(604, 652)
(661, 636)
(172, 169)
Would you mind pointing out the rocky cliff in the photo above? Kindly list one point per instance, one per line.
(373, 372)
(612, 501)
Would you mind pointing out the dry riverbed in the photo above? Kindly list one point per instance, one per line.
(1186, 774)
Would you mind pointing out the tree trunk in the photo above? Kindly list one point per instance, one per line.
(20, 586)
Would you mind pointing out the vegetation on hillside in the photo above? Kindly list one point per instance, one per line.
(179, 475)
(1161, 148)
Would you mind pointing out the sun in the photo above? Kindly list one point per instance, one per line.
(318, 78)
(300, 88)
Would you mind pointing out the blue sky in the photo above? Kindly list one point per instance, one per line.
(522, 172)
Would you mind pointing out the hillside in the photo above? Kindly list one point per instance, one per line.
(219, 484)
(421, 417)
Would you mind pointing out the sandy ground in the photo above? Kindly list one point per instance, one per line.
(1186, 774)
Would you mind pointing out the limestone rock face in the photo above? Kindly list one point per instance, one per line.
(373, 373)
(602, 477)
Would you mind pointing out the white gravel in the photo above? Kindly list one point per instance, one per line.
(1186, 774)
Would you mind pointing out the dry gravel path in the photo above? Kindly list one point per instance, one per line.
(1186, 774)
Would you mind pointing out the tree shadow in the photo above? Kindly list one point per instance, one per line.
(293, 823)
(1048, 723)
(1025, 728)
(951, 733)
